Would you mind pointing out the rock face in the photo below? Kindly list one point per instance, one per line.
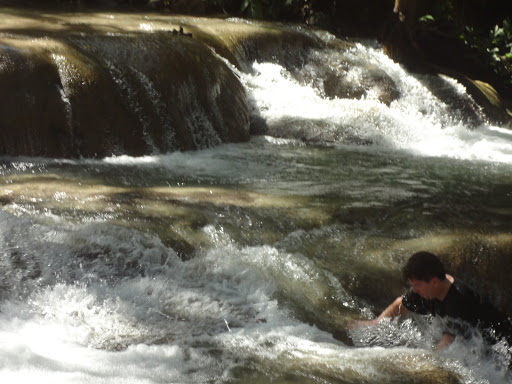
(94, 94)
(95, 85)
(31, 106)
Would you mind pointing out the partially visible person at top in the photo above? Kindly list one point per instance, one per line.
(434, 292)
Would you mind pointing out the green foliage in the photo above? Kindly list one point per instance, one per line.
(495, 47)
(501, 41)
(471, 21)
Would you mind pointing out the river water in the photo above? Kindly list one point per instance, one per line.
(245, 263)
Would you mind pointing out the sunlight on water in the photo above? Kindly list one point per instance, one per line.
(65, 73)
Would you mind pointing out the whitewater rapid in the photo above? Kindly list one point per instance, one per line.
(292, 233)
(417, 121)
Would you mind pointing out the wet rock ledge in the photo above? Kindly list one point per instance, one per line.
(100, 84)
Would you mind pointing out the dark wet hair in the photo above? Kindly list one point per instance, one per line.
(424, 266)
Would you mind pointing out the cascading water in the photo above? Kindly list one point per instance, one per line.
(415, 120)
(244, 263)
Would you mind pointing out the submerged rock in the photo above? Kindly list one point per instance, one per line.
(490, 101)
(334, 76)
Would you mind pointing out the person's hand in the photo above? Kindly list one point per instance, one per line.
(445, 341)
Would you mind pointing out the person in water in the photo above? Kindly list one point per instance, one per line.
(434, 292)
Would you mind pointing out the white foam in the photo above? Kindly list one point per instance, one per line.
(61, 332)
(112, 305)
(417, 121)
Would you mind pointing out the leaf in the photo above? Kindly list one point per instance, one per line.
(498, 31)
(427, 18)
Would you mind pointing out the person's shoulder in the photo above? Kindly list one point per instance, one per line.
(462, 286)
(464, 290)
(485, 311)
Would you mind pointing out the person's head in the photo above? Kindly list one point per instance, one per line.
(424, 271)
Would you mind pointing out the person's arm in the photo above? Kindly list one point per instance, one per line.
(395, 309)
(445, 341)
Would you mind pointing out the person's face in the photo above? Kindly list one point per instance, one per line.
(427, 290)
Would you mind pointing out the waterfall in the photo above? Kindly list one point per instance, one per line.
(127, 258)
(135, 85)
(100, 94)
(378, 104)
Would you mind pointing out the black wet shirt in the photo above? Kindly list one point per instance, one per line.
(464, 304)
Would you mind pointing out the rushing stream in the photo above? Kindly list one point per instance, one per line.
(244, 263)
